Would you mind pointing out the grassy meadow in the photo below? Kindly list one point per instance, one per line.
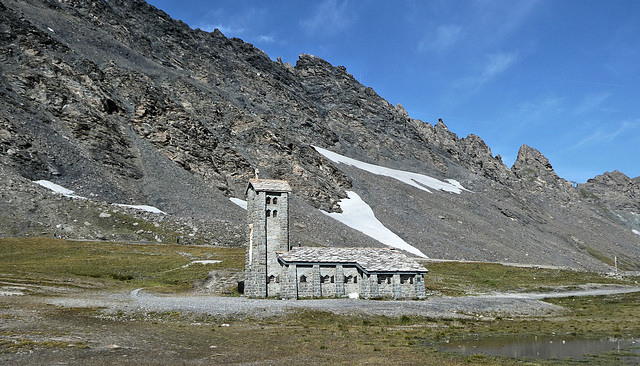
(109, 265)
(41, 265)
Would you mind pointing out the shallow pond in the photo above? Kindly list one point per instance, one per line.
(545, 347)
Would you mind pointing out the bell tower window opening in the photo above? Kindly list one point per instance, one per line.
(268, 200)
(275, 200)
(275, 212)
(268, 213)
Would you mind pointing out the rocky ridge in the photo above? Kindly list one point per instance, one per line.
(121, 103)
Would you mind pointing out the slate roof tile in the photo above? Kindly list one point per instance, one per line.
(370, 259)
(270, 185)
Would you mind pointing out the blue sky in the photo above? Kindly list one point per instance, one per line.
(560, 76)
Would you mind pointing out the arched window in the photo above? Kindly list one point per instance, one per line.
(268, 213)
(275, 212)
(303, 278)
(275, 200)
(268, 200)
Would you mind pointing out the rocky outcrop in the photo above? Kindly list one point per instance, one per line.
(533, 171)
(121, 103)
(614, 189)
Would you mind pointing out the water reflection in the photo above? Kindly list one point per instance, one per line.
(544, 347)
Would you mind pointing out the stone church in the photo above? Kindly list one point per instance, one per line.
(274, 269)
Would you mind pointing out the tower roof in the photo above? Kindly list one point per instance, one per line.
(269, 185)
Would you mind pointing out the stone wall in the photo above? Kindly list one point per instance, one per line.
(255, 260)
(315, 281)
(268, 233)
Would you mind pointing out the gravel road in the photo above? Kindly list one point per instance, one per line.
(522, 304)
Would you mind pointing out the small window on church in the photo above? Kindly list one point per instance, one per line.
(333, 279)
(271, 279)
(275, 212)
(275, 200)
(303, 278)
(384, 279)
(268, 200)
(355, 279)
(268, 213)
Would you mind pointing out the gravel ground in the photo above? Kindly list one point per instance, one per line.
(528, 304)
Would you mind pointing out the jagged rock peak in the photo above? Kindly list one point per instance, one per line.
(531, 161)
(307, 64)
(441, 126)
(614, 178)
(534, 172)
(615, 189)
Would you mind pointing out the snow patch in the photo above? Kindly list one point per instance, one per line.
(69, 193)
(142, 208)
(202, 262)
(419, 181)
(58, 189)
(635, 232)
(239, 202)
(12, 291)
(359, 216)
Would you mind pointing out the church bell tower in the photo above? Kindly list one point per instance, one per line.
(268, 219)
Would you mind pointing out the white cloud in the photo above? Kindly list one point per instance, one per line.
(445, 37)
(590, 102)
(536, 112)
(330, 17)
(493, 22)
(607, 135)
(497, 64)
(266, 39)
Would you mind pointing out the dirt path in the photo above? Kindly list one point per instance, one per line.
(522, 304)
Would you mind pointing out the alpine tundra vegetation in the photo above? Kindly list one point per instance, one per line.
(127, 140)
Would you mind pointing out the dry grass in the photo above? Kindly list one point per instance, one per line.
(32, 332)
(39, 260)
(454, 278)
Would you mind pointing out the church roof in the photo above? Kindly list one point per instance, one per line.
(369, 259)
(269, 185)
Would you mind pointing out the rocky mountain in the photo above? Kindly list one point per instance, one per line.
(122, 104)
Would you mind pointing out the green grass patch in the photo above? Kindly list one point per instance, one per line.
(302, 336)
(456, 279)
(115, 264)
(10, 346)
